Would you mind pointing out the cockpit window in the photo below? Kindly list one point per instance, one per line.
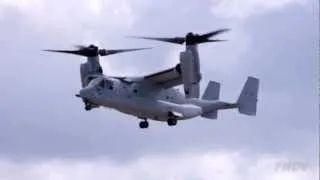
(89, 79)
(94, 82)
(102, 84)
(108, 84)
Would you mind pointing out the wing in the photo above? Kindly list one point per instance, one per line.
(166, 78)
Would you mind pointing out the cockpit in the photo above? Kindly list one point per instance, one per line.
(101, 83)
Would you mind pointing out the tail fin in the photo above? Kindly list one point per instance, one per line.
(212, 92)
(247, 102)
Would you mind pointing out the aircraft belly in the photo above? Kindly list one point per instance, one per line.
(159, 110)
(145, 107)
(154, 109)
(140, 107)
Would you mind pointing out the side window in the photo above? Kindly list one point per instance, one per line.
(102, 84)
(108, 84)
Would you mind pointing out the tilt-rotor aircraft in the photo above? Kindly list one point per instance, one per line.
(154, 96)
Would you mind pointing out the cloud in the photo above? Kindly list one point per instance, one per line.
(207, 166)
(77, 15)
(243, 9)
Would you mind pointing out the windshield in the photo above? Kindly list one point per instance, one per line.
(101, 83)
(108, 84)
(95, 82)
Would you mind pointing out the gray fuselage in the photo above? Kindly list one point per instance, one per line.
(142, 100)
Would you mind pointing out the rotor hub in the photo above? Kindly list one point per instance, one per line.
(192, 39)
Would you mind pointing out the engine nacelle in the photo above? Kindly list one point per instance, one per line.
(91, 67)
(84, 74)
(191, 75)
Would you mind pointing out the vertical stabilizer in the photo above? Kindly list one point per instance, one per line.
(247, 102)
(212, 91)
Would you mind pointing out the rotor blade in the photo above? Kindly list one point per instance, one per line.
(106, 52)
(215, 40)
(66, 51)
(176, 40)
(202, 40)
(214, 33)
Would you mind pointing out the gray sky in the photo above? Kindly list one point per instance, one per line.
(275, 41)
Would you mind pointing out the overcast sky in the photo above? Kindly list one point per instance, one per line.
(45, 133)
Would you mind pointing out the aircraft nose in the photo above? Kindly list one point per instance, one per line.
(86, 93)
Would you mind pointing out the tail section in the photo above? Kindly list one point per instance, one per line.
(247, 102)
(211, 93)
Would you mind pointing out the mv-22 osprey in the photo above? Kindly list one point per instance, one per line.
(154, 96)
